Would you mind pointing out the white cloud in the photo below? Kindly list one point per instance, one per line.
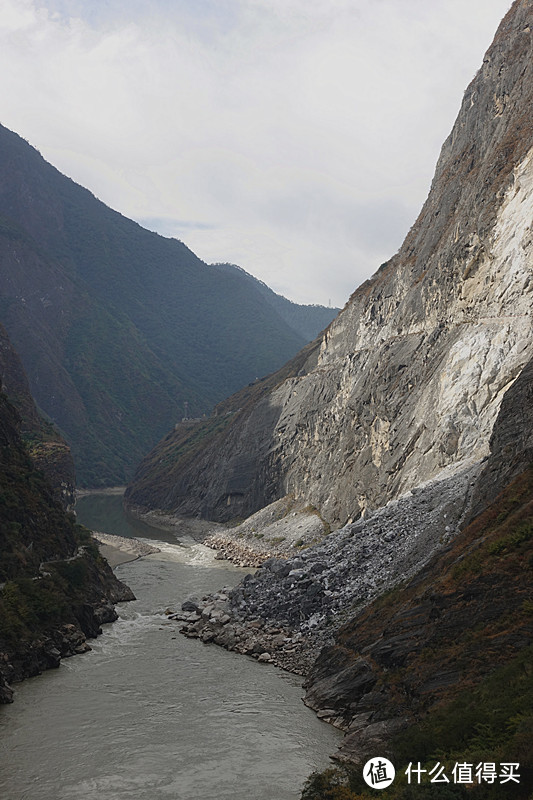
(295, 138)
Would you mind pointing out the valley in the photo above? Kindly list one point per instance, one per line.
(344, 495)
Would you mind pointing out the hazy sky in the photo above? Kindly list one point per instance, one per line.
(296, 138)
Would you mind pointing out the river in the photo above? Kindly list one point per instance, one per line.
(151, 715)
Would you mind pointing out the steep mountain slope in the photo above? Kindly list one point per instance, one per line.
(48, 451)
(404, 609)
(306, 320)
(168, 475)
(411, 420)
(446, 657)
(117, 327)
(410, 376)
(55, 588)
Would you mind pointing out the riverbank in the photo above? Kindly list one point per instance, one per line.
(108, 490)
(197, 529)
(119, 549)
(280, 530)
(143, 685)
(291, 608)
(79, 594)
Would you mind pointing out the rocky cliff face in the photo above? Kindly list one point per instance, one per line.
(410, 376)
(511, 443)
(403, 619)
(465, 614)
(178, 474)
(410, 421)
(291, 607)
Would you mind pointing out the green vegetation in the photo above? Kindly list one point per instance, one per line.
(491, 724)
(161, 475)
(33, 525)
(520, 534)
(26, 606)
(306, 320)
(198, 434)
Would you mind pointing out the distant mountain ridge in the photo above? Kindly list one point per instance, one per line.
(306, 320)
(121, 331)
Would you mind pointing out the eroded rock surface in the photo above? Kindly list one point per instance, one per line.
(409, 378)
(456, 620)
(290, 608)
(389, 434)
(511, 442)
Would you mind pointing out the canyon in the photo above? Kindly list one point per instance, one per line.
(380, 481)
(407, 381)
(405, 430)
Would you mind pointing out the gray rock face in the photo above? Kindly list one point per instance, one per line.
(410, 376)
(280, 530)
(424, 633)
(291, 608)
(360, 560)
(389, 433)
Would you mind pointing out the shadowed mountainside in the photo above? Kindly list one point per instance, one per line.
(306, 320)
(410, 425)
(55, 588)
(48, 451)
(119, 328)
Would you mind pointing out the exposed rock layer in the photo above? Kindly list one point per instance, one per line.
(395, 420)
(291, 608)
(169, 477)
(281, 530)
(511, 443)
(461, 605)
(466, 613)
(410, 376)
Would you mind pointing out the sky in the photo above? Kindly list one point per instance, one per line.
(295, 138)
